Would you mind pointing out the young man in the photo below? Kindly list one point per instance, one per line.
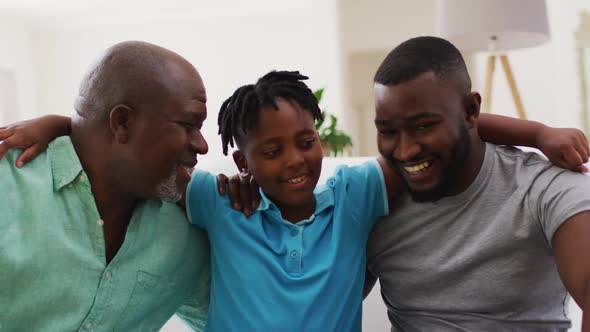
(488, 238)
(87, 240)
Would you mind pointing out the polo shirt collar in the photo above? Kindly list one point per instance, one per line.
(324, 197)
(65, 164)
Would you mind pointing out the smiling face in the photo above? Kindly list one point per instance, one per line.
(424, 132)
(284, 155)
(167, 136)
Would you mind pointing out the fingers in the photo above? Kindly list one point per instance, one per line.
(585, 148)
(6, 145)
(5, 132)
(222, 181)
(255, 194)
(234, 192)
(572, 158)
(29, 154)
(245, 195)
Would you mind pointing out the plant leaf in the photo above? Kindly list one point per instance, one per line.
(318, 94)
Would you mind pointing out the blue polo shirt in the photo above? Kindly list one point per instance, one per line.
(271, 275)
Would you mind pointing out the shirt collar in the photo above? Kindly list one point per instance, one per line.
(324, 196)
(65, 164)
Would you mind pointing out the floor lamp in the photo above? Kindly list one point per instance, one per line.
(495, 27)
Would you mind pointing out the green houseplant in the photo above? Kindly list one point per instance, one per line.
(334, 141)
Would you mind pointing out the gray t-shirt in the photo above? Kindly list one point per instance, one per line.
(480, 260)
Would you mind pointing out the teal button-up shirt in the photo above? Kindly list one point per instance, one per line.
(53, 271)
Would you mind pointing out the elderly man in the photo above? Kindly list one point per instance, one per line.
(90, 237)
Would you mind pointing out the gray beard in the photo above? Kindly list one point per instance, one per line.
(167, 189)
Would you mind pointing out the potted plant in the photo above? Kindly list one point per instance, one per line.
(334, 141)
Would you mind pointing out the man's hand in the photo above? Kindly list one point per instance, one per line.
(32, 135)
(243, 191)
(565, 147)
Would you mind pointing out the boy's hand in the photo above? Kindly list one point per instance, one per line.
(565, 147)
(32, 135)
(21, 135)
(243, 192)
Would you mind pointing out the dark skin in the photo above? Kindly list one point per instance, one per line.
(565, 147)
(284, 155)
(419, 123)
(159, 143)
(417, 120)
(142, 146)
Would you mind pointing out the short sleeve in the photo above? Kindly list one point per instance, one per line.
(364, 189)
(557, 196)
(202, 199)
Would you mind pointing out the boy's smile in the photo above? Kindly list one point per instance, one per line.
(284, 155)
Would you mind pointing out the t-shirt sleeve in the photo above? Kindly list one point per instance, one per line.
(202, 199)
(364, 189)
(557, 196)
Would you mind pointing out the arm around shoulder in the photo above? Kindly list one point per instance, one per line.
(572, 253)
(564, 147)
(33, 136)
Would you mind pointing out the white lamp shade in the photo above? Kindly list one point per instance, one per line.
(471, 24)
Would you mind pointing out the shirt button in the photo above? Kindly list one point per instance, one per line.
(88, 326)
(70, 186)
(294, 254)
(100, 222)
(294, 232)
(331, 182)
(82, 178)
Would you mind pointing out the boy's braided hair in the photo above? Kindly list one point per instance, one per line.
(239, 113)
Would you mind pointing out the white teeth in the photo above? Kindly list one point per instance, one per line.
(417, 168)
(296, 180)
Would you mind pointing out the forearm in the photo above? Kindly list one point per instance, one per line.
(58, 125)
(505, 130)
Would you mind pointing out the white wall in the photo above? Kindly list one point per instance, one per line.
(16, 60)
(369, 29)
(228, 50)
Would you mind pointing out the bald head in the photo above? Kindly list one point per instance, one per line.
(139, 113)
(132, 73)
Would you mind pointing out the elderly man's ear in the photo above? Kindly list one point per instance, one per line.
(120, 119)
